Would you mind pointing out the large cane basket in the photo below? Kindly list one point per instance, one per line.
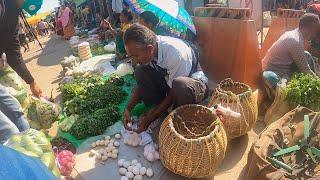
(192, 142)
(239, 98)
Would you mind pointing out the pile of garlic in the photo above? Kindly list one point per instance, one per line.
(150, 152)
(110, 151)
(133, 170)
(131, 138)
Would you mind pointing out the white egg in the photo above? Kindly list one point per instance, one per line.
(134, 162)
(126, 164)
(116, 144)
(97, 142)
(114, 156)
(122, 171)
(111, 141)
(107, 138)
(138, 177)
(143, 171)
(124, 178)
(120, 162)
(93, 145)
(130, 168)
(104, 158)
(115, 151)
(108, 149)
(136, 170)
(105, 153)
(138, 165)
(130, 175)
(149, 172)
(150, 157)
(109, 154)
(101, 151)
(102, 143)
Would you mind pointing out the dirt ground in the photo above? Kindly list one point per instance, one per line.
(45, 67)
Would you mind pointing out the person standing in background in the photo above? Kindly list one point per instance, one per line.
(117, 7)
(66, 18)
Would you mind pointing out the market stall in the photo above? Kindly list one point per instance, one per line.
(229, 44)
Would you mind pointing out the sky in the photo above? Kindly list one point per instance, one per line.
(48, 5)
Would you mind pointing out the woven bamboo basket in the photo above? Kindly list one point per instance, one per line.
(239, 98)
(192, 142)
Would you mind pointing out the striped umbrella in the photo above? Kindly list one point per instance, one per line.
(168, 11)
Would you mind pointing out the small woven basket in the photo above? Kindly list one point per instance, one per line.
(239, 98)
(192, 142)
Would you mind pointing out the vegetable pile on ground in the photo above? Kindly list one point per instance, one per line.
(91, 105)
(304, 90)
(34, 143)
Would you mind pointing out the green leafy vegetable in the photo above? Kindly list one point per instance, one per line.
(304, 90)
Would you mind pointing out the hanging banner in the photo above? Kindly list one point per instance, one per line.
(255, 7)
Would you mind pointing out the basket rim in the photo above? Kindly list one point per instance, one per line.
(215, 130)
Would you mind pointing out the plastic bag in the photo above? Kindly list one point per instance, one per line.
(66, 162)
(34, 143)
(111, 47)
(9, 78)
(70, 62)
(42, 113)
(124, 69)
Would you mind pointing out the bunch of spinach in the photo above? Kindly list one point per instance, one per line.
(304, 90)
(95, 101)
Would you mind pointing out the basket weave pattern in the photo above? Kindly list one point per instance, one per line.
(192, 142)
(239, 98)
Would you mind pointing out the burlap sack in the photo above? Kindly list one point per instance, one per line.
(273, 137)
(278, 108)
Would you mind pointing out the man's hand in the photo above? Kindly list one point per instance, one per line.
(143, 123)
(35, 89)
(105, 24)
(127, 119)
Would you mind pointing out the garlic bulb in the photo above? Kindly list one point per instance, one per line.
(126, 164)
(109, 154)
(98, 156)
(117, 136)
(102, 143)
(150, 157)
(135, 170)
(137, 177)
(122, 171)
(116, 144)
(130, 168)
(110, 145)
(104, 158)
(156, 155)
(111, 141)
(114, 156)
(108, 149)
(115, 151)
(107, 138)
(130, 175)
(93, 145)
(124, 178)
(101, 151)
(120, 162)
(143, 171)
(92, 152)
(139, 165)
(134, 162)
(149, 172)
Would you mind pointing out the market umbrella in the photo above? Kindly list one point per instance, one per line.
(168, 11)
(15, 165)
(32, 6)
(33, 20)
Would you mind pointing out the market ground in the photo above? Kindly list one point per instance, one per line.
(44, 64)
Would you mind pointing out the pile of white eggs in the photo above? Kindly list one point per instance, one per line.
(133, 170)
(110, 149)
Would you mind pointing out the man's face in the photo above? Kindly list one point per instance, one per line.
(140, 55)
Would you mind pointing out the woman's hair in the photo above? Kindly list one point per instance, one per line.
(127, 14)
(149, 18)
